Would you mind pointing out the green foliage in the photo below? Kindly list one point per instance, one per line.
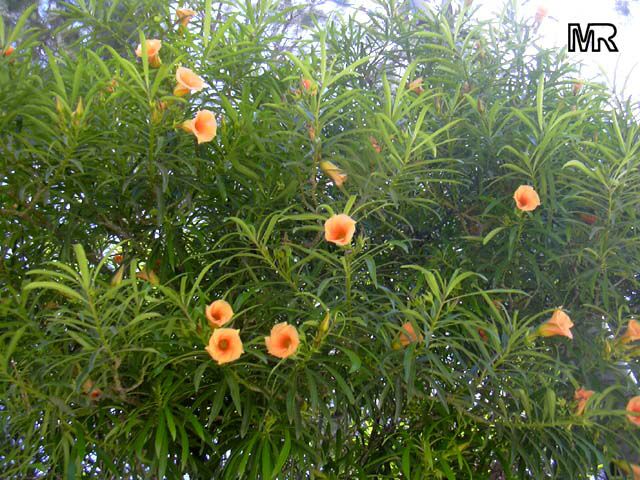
(104, 374)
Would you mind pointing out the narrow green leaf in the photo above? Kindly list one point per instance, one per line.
(206, 25)
(540, 102)
(17, 29)
(406, 462)
(282, 456)
(170, 422)
(371, 266)
(61, 289)
(492, 234)
(13, 343)
(349, 204)
(234, 390)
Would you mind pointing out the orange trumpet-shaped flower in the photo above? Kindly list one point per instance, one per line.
(635, 470)
(541, 13)
(218, 313)
(203, 126)
(374, 143)
(153, 49)
(526, 198)
(558, 324)
(184, 16)
(225, 345)
(633, 407)
(111, 87)
(149, 276)
(8, 51)
(308, 86)
(582, 396)
(89, 388)
(339, 229)
(187, 82)
(416, 86)
(483, 335)
(95, 394)
(633, 332)
(588, 218)
(283, 341)
(408, 334)
(337, 175)
(577, 86)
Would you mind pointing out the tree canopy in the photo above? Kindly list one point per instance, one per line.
(241, 240)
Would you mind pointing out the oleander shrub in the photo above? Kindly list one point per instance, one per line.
(457, 329)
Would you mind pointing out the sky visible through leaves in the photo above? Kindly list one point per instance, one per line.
(620, 71)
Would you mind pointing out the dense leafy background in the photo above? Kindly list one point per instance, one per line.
(439, 243)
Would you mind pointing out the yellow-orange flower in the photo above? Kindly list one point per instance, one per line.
(577, 86)
(634, 407)
(153, 49)
(374, 143)
(203, 126)
(89, 388)
(558, 324)
(588, 218)
(416, 85)
(218, 313)
(8, 51)
(526, 198)
(188, 82)
(339, 229)
(308, 86)
(633, 332)
(337, 175)
(582, 396)
(149, 276)
(184, 16)
(483, 335)
(112, 85)
(541, 13)
(635, 470)
(283, 341)
(408, 334)
(225, 345)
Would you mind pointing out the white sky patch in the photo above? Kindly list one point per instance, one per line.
(620, 71)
